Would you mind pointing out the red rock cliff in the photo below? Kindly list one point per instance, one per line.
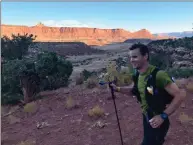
(90, 36)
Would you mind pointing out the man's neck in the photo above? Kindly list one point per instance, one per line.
(144, 68)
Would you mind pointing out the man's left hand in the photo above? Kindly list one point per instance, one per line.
(156, 121)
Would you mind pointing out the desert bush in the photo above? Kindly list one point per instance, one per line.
(122, 77)
(79, 80)
(120, 61)
(11, 88)
(185, 42)
(181, 73)
(52, 70)
(112, 72)
(161, 60)
(125, 79)
(96, 111)
(125, 75)
(86, 74)
(16, 47)
(91, 83)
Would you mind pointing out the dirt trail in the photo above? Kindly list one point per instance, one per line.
(74, 127)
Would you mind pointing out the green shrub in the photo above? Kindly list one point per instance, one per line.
(181, 73)
(120, 61)
(185, 42)
(161, 60)
(86, 74)
(91, 82)
(16, 47)
(10, 83)
(52, 70)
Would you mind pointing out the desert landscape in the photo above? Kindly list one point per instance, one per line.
(82, 115)
(57, 59)
(48, 123)
(112, 44)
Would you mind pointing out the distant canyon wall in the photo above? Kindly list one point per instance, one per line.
(90, 36)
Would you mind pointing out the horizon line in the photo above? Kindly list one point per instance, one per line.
(84, 27)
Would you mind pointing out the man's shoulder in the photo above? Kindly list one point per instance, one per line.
(153, 68)
(162, 74)
(163, 78)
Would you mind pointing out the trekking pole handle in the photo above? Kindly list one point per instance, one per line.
(104, 83)
(112, 90)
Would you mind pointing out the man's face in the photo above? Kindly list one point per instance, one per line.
(137, 60)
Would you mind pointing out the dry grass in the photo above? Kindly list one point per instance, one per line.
(189, 86)
(185, 118)
(12, 119)
(70, 103)
(30, 107)
(91, 83)
(27, 143)
(96, 112)
(79, 80)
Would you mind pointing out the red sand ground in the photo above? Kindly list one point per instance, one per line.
(74, 126)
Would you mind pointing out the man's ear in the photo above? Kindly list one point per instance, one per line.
(146, 56)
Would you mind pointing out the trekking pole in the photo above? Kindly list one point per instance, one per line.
(113, 97)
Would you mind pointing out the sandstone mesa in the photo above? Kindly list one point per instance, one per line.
(90, 36)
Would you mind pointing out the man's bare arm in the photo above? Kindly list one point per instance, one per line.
(178, 95)
(125, 89)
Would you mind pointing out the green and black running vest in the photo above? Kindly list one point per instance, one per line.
(156, 101)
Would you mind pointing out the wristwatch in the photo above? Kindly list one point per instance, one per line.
(164, 116)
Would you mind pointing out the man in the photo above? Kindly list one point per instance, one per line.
(155, 114)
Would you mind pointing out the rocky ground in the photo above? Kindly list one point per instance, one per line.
(49, 122)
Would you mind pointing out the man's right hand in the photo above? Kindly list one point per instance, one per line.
(115, 88)
(124, 89)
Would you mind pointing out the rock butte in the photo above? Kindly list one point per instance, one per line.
(90, 36)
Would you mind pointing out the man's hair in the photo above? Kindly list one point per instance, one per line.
(142, 48)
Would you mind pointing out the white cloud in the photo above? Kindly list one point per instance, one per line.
(65, 23)
(74, 23)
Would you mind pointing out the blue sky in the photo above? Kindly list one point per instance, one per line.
(155, 16)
